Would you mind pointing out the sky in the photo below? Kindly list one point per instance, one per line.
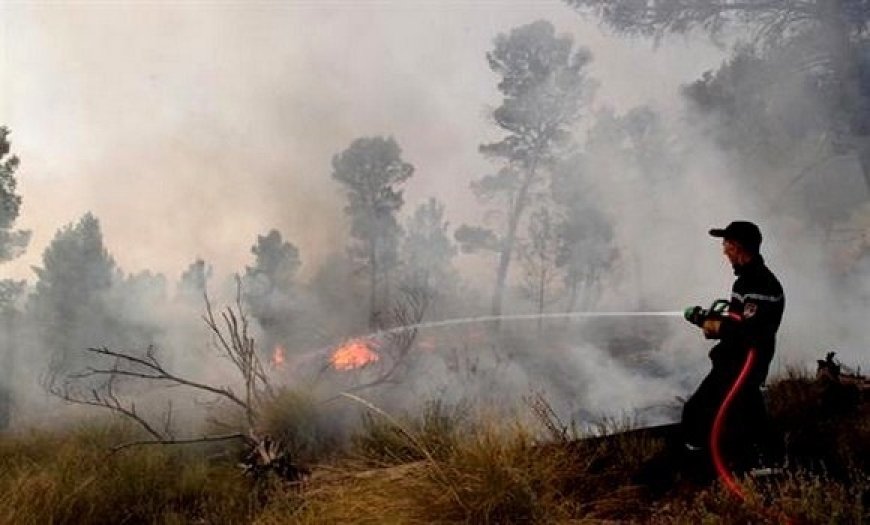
(189, 128)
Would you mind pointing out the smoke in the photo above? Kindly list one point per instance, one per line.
(191, 129)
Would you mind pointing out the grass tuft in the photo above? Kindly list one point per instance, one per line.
(437, 429)
(70, 478)
(305, 428)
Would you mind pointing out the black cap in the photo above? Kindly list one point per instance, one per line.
(744, 232)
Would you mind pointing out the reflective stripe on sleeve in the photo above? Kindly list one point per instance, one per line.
(757, 297)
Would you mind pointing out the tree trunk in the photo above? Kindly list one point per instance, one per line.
(541, 296)
(7, 367)
(572, 293)
(374, 315)
(507, 247)
(863, 150)
(500, 277)
(385, 289)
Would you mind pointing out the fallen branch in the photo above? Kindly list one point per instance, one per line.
(232, 340)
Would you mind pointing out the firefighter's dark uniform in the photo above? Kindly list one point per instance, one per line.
(753, 317)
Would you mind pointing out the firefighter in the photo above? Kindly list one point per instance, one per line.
(751, 321)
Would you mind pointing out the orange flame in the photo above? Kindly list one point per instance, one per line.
(353, 354)
(278, 356)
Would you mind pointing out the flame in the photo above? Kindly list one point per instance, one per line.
(353, 354)
(278, 356)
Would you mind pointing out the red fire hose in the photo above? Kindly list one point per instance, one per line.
(721, 469)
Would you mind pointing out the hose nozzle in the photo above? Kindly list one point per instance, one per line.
(697, 315)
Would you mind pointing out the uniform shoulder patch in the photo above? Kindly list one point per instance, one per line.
(749, 310)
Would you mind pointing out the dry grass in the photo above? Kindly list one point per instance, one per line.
(444, 465)
(304, 427)
(436, 431)
(798, 497)
(69, 478)
(493, 474)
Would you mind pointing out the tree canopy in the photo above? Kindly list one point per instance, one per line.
(371, 170)
(12, 242)
(427, 248)
(544, 86)
(70, 293)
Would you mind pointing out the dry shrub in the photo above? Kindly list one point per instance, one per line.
(305, 428)
(491, 473)
(351, 494)
(70, 478)
(798, 497)
(499, 474)
(825, 423)
(627, 447)
(494, 469)
(711, 506)
(812, 498)
(436, 431)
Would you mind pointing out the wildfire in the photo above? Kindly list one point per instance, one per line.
(278, 356)
(353, 354)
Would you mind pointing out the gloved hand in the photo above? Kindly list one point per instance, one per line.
(695, 315)
(711, 326)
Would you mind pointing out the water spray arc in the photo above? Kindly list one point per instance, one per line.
(519, 317)
(355, 351)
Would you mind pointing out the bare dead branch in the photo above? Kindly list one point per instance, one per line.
(154, 371)
(231, 338)
(104, 399)
(543, 411)
(203, 439)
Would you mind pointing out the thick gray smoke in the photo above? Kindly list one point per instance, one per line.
(209, 141)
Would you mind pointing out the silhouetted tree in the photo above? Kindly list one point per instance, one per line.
(371, 170)
(785, 127)
(133, 304)
(69, 303)
(637, 156)
(586, 241)
(276, 261)
(428, 250)
(827, 41)
(544, 84)
(194, 281)
(269, 283)
(538, 257)
(12, 242)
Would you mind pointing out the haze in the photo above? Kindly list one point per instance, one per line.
(189, 128)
